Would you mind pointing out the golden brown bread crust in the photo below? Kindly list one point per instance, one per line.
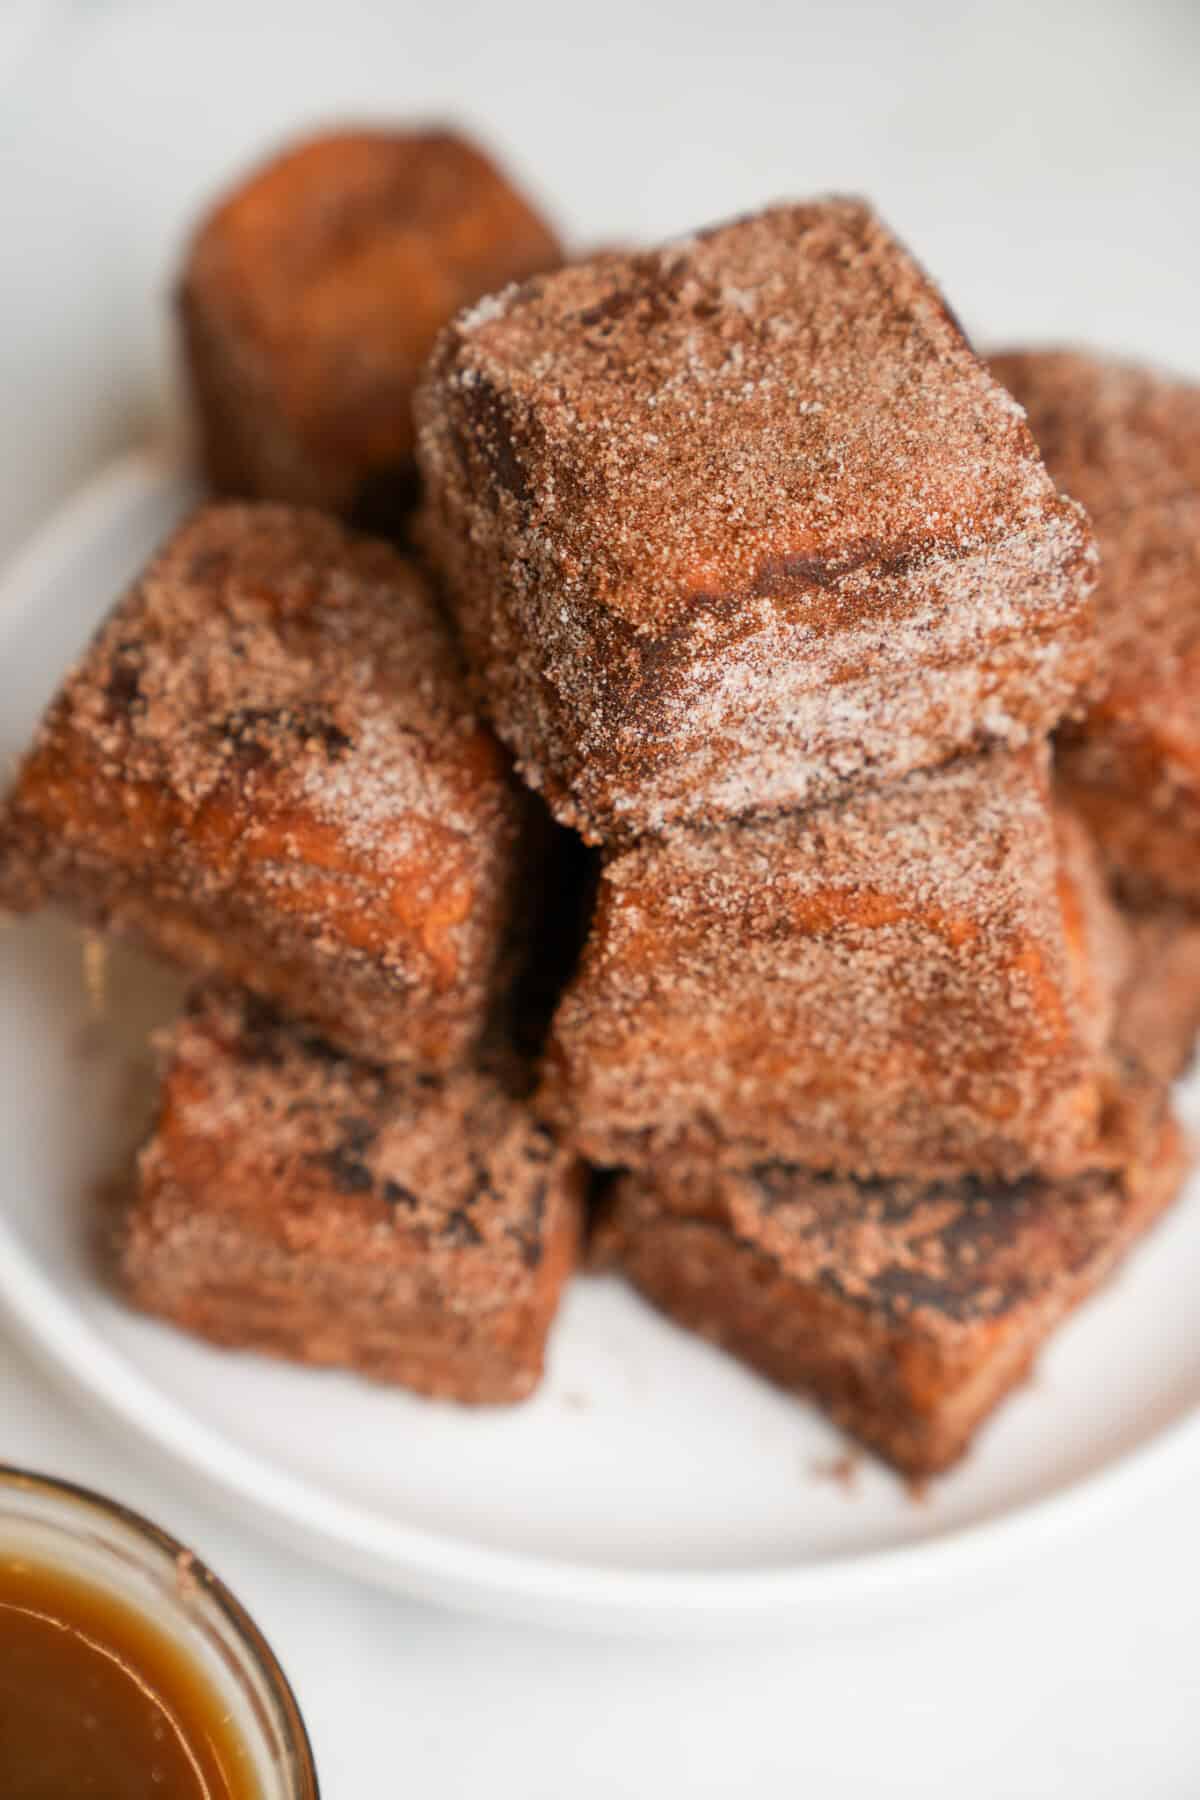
(416, 1228)
(312, 294)
(266, 766)
(916, 981)
(1125, 442)
(908, 1312)
(731, 525)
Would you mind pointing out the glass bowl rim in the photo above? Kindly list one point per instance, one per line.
(250, 1639)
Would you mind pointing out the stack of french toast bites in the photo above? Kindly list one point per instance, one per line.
(738, 763)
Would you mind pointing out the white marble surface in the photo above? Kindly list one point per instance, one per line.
(1044, 158)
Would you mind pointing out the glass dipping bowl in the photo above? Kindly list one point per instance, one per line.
(69, 1529)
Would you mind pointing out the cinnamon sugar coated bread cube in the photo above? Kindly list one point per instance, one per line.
(734, 524)
(265, 766)
(915, 981)
(1160, 1000)
(1126, 443)
(311, 296)
(416, 1228)
(907, 1311)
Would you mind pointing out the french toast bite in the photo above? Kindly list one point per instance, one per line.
(907, 1311)
(917, 981)
(312, 294)
(737, 524)
(292, 1200)
(1160, 1001)
(266, 767)
(1126, 443)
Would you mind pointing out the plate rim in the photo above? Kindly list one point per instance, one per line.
(458, 1571)
(467, 1575)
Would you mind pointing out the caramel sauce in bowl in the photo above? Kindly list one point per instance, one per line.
(127, 1670)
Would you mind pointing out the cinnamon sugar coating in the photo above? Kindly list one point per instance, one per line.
(1160, 1000)
(1126, 443)
(266, 767)
(907, 1312)
(918, 980)
(312, 294)
(736, 523)
(418, 1229)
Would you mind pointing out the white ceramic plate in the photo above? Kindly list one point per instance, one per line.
(651, 1483)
